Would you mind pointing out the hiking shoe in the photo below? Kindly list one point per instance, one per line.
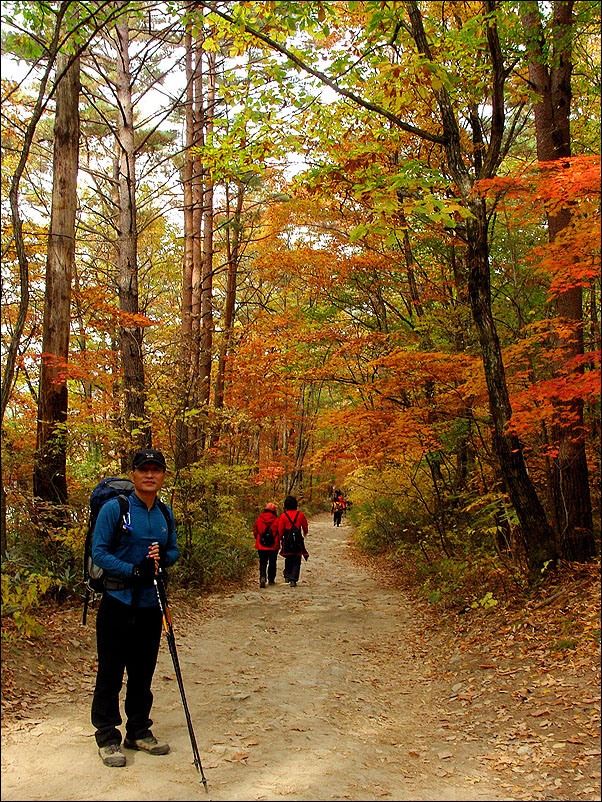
(292, 583)
(271, 582)
(149, 744)
(262, 583)
(111, 755)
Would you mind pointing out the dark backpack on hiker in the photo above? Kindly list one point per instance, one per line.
(266, 538)
(105, 490)
(95, 579)
(293, 536)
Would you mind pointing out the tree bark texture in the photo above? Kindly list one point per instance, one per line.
(185, 378)
(10, 357)
(197, 248)
(49, 473)
(233, 231)
(206, 351)
(134, 392)
(197, 303)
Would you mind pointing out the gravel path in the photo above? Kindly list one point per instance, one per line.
(323, 691)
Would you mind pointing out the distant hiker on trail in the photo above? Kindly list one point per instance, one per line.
(292, 526)
(338, 507)
(267, 541)
(128, 623)
(337, 512)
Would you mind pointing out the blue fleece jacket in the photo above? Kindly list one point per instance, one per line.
(147, 526)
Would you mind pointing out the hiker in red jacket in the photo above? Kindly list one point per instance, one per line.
(267, 541)
(292, 526)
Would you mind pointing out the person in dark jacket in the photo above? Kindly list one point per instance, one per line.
(292, 553)
(267, 541)
(128, 623)
(338, 507)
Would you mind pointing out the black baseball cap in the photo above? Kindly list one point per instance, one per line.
(148, 455)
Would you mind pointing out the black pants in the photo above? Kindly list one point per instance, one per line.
(127, 639)
(337, 517)
(292, 567)
(267, 561)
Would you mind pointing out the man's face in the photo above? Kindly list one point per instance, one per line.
(148, 478)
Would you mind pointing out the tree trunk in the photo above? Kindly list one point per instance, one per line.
(569, 476)
(49, 473)
(10, 357)
(537, 534)
(233, 230)
(136, 424)
(181, 457)
(197, 250)
(206, 351)
(3, 536)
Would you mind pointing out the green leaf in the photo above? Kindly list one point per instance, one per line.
(358, 232)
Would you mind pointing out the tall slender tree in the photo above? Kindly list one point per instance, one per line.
(42, 99)
(186, 371)
(136, 422)
(49, 475)
(196, 352)
(537, 533)
(233, 252)
(550, 69)
(206, 349)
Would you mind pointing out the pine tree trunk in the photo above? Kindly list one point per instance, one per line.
(181, 456)
(206, 351)
(197, 249)
(134, 392)
(49, 474)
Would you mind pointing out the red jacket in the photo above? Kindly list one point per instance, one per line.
(265, 519)
(297, 517)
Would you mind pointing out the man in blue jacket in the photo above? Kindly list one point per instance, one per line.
(128, 623)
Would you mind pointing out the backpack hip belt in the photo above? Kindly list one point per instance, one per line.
(115, 583)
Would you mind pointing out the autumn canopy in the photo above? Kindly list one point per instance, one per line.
(300, 245)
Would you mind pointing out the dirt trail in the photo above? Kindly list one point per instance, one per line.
(323, 691)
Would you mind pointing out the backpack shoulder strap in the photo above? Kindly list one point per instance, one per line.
(120, 527)
(163, 507)
(124, 508)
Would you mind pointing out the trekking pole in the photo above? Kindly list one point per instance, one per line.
(86, 603)
(165, 612)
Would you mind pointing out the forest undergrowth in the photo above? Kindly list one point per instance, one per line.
(559, 620)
